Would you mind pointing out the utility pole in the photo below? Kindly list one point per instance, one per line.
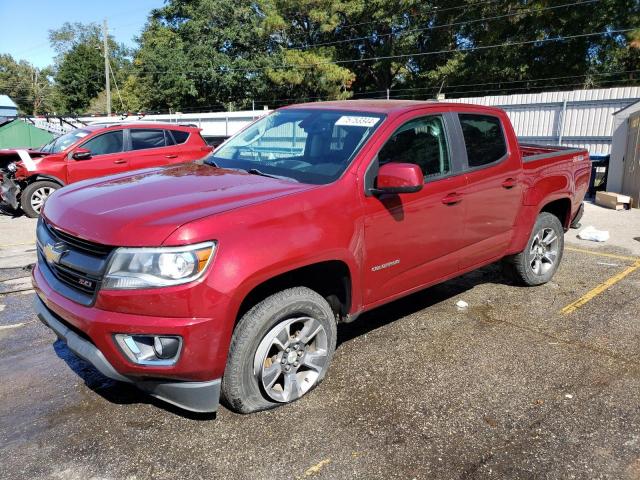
(107, 84)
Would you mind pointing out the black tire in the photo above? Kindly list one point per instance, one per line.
(524, 263)
(242, 391)
(31, 191)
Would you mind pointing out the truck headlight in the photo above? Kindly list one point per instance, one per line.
(132, 268)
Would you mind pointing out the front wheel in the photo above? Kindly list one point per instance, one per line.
(35, 195)
(538, 262)
(280, 350)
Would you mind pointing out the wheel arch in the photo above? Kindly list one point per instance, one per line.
(561, 208)
(39, 177)
(330, 278)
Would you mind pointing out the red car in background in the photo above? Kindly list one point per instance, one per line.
(30, 176)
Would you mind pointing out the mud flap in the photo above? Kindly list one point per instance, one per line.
(575, 223)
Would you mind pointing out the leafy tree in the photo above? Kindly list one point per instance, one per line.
(79, 71)
(28, 86)
(210, 55)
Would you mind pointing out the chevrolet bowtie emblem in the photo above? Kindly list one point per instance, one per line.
(53, 252)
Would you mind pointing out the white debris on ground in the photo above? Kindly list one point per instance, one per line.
(462, 305)
(593, 234)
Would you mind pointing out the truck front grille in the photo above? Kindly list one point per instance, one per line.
(73, 266)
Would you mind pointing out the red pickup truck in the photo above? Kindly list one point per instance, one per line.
(226, 278)
(28, 177)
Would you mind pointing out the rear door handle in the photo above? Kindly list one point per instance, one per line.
(120, 161)
(452, 199)
(509, 183)
(171, 156)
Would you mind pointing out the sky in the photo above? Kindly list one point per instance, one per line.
(25, 24)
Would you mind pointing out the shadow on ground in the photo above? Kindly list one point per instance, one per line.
(123, 394)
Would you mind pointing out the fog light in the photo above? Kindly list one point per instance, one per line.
(166, 347)
(159, 350)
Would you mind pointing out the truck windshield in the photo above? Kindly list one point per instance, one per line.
(308, 146)
(59, 144)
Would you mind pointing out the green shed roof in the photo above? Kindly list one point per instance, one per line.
(17, 134)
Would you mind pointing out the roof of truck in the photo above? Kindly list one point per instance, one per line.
(382, 106)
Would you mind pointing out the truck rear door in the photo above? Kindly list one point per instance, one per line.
(493, 193)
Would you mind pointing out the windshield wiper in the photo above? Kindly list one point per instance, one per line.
(212, 163)
(255, 171)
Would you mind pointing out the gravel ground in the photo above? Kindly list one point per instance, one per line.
(508, 388)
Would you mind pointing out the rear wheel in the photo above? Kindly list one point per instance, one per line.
(280, 351)
(538, 262)
(35, 195)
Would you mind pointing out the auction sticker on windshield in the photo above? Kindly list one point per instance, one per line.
(357, 121)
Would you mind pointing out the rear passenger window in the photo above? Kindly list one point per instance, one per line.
(422, 141)
(180, 136)
(142, 138)
(483, 138)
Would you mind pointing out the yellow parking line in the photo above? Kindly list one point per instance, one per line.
(590, 295)
(600, 254)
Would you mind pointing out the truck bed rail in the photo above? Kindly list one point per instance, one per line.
(532, 151)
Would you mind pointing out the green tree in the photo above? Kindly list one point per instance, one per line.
(30, 87)
(79, 70)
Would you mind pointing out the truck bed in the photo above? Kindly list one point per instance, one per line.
(531, 151)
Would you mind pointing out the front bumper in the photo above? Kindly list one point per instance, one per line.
(202, 397)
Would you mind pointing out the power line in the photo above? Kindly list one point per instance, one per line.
(445, 25)
(435, 10)
(524, 80)
(507, 90)
(406, 55)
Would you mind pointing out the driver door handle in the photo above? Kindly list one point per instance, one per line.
(120, 161)
(171, 156)
(452, 199)
(509, 183)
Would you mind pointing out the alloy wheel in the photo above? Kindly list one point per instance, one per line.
(543, 253)
(39, 197)
(291, 358)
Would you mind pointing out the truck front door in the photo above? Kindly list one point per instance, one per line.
(411, 239)
(493, 194)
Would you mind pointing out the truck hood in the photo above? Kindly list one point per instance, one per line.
(143, 208)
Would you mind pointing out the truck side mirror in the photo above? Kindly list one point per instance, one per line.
(81, 154)
(398, 178)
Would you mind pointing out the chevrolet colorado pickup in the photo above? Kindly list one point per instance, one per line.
(28, 177)
(224, 279)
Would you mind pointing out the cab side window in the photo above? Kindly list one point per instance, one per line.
(483, 138)
(110, 142)
(421, 141)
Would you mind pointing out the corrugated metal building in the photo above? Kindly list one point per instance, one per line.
(578, 118)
